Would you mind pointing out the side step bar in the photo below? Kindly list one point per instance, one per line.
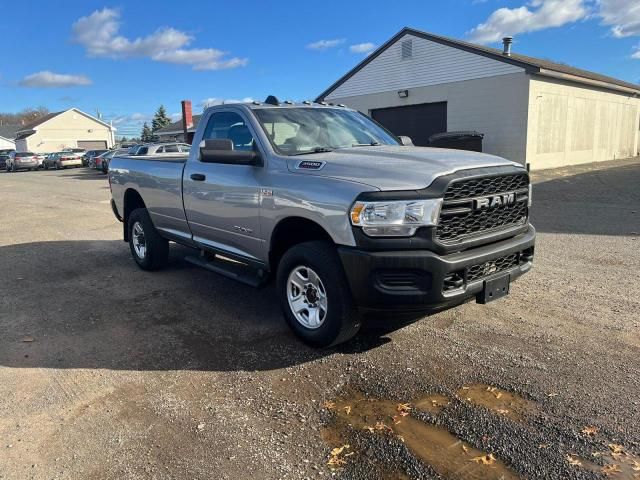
(230, 269)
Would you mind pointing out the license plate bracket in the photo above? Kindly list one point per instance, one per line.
(494, 288)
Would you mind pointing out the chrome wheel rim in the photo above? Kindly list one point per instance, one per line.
(307, 297)
(139, 243)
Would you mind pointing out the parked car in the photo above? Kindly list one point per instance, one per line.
(63, 159)
(345, 216)
(89, 155)
(134, 148)
(41, 157)
(22, 161)
(3, 160)
(104, 159)
(162, 149)
(51, 160)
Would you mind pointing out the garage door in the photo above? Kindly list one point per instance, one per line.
(416, 121)
(92, 144)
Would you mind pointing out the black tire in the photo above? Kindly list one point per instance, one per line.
(56, 166)
(45, 166)
(341, 321)
(156, 248)
(13, 168)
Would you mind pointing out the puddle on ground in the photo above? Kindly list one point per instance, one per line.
(446, 454)
(500, 401)
(618, 463)
(432, 403)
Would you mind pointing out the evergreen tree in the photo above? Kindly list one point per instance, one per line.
(147, 134)
(160, 119)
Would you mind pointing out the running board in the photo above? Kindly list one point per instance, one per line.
(230, 269)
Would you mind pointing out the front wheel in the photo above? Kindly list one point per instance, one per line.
(314, 295)
(149, 249)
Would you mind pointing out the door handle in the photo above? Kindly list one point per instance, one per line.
(198, 177)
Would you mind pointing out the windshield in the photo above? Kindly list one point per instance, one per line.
(296, 131)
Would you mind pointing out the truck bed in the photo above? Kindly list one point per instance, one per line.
(172, 158)
(158, 180)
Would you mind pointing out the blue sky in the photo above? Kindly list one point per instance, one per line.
(125, 59)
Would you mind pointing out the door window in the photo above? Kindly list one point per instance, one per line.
(232, 126)
(171, 148)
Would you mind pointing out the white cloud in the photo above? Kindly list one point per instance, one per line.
(326, 44)
(536, 15)
(366, 47)
(211, 101)
(98, 33)
(47, 79)
(623, 16)
(135, 118)
(636, 52)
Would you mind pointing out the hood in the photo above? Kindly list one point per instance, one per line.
(389, 167)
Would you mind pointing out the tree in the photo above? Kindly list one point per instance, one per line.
(147, 134)
(160, 119)
(23, 117)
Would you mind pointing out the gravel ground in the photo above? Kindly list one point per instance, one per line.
(109, 372)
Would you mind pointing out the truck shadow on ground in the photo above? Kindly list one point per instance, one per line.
(84, 174)
(85, 304)
(596, 200)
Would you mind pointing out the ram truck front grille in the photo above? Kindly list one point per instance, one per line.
(482, 206)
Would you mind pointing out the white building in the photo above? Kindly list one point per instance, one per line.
(69, 128)
(7, 134)
(529, 109)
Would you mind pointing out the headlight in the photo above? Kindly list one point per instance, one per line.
(395, 218)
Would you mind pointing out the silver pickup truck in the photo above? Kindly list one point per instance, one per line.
(345, 216)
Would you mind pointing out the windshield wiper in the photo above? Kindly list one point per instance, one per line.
(315, 150)
(372, 144)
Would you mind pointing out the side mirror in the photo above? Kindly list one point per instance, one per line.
(220, 150)
(406, 141)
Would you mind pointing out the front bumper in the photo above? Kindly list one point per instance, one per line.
(420, 280)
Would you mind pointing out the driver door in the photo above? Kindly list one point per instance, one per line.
(222, 201)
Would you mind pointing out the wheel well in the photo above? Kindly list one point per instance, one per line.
(292, 231)
(132, 200)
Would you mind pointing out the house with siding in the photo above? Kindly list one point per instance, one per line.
(174, 132)
(530, 110)
(66, 129)
(7, 134)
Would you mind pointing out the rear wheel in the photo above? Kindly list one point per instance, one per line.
(149, 249)
(314, 295)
